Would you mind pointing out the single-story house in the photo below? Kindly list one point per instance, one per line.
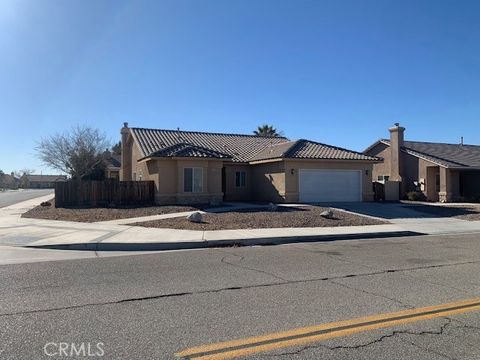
(112, 164)
(9, 181)
(202, 167)
(40, 181)
(442, 172)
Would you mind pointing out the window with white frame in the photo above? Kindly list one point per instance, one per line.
(193, 180)
(383, 178)
(240, 179)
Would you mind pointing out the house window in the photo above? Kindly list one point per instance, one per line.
(240, 179)
(383, 178)
(193, 180)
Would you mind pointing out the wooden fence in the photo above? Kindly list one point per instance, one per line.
(104, 193)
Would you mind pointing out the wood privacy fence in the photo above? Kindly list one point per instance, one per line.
(104, 193)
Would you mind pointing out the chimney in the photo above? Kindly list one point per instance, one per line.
(396, 143)
(126, 164)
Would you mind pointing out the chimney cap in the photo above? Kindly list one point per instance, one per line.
(397, 124)
(125, 124)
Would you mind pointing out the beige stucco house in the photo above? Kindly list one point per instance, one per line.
(442, 172)
(40, 181)
(111, 161)
(200, 167)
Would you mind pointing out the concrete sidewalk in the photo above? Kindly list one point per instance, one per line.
(109, 236)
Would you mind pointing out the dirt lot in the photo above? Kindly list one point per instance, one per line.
(464, 212)
(101, 214)
(261, 218)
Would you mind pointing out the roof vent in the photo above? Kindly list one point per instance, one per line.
(461, 141)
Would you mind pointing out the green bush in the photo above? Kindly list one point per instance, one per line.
(415, 196)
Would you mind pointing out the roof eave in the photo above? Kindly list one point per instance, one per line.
(375, 144)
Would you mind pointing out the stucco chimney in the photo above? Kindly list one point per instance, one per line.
(126, 165)
(396, 142)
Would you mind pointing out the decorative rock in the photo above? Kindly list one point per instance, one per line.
(272, 207)
(327, 214)
(46, 203)
(195, 217)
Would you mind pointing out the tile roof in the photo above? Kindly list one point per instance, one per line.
(46, 178)
(113, 161)
(240, 148)
(307, 149)
(189, 150)
(447, 155)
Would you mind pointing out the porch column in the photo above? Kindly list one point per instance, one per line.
(445, 194)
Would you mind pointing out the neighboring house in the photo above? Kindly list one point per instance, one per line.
(9, 181)
(200, 167)
(40, 181)
(112, 165)
(443, 172)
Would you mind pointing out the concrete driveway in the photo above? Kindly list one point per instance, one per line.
(399, 210)
(423, 218)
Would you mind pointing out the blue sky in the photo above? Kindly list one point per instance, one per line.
(339, 72)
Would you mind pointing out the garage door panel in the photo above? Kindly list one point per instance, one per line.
(330, 185)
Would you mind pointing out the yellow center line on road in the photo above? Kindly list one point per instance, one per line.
(311, 334)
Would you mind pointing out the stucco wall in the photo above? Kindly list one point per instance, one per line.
(269, 181)
(383, 168)
(140, 170)
(413, 170)
(291, 180)
(168, 177)
(232, 192)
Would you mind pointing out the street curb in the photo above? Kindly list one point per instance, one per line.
(266, 241)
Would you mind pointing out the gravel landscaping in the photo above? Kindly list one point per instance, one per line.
(308, 216)
(101, 214)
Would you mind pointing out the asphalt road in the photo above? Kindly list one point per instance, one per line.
(12, 197)
(153, 306)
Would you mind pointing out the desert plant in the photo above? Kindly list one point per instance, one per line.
(415, 196)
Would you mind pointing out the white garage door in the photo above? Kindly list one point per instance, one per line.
(330, 185)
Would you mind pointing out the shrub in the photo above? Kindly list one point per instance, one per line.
(415, 196)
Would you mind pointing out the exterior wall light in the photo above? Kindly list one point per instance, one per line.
(292, 171)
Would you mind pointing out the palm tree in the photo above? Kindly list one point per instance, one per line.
(267, 131)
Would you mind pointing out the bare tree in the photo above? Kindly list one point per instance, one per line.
(25, 171)
(78, 152)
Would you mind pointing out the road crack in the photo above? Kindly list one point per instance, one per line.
(241, 258)
(395, 333)
(231, 288)
(373, 294)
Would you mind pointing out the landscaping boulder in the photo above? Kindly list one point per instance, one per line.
(327, 214)
(195, 217)
(272, 207)
(46, 203)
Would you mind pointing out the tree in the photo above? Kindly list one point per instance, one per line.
(78, 152)
(117, 148)
(20, 173)
(267, 131)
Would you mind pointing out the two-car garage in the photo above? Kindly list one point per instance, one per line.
(329, 185)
